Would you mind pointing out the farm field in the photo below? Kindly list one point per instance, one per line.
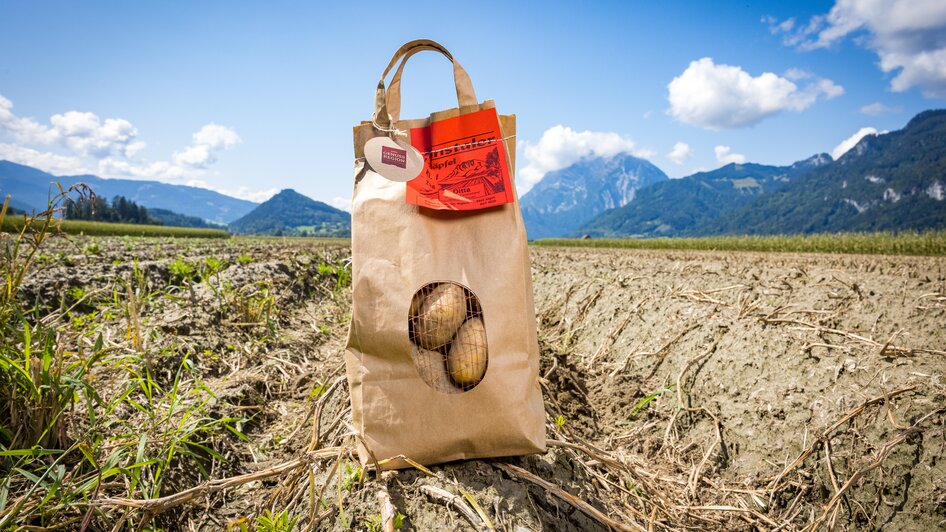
(684, 389)
(89, 228)
(928, 243)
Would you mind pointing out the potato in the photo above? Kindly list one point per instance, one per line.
(466, 360)
(439, 316)
(418, 300)
(432, 370)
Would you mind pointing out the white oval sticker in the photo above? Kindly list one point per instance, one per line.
(393, 160)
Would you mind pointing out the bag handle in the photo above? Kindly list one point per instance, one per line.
(387, 105)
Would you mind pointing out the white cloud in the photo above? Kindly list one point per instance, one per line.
(724, 155)
(159, 171)
(877, 109)
(561, 146)
(45, 161)
(794, 34)
(249, 194)
(206, 142)
(108, 148)
(341, 203)
(82, 133)
(725, 97)
(797, 74)
(216, 137)
(198, 156)
(133, 148)
(246, 193)
(85, 134)
(24, 130)
(852, 141)
(909, 37)
(826, 87)
(680, 153)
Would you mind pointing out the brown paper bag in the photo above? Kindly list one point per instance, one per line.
(400, 253)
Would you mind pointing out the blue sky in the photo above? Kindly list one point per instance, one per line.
(249, 98)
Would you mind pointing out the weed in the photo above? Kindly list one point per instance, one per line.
(212, 266)
(340, 272)
(52, 467)
(182, 271)
(375, 523)
(279, 522)
(39, 380)
(76, 293)
(317, 390)
(244, 259)
(352, 476)
(646, 400)
(173, 427)
(249, 304)
(92, 248)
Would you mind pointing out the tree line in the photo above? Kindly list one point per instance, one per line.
(98, 209)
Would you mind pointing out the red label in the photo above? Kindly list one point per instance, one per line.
(465, 164)
(394, 156)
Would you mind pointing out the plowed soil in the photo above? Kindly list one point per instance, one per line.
(684, 390)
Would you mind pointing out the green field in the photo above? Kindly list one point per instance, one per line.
(931, 243)
(82, 227)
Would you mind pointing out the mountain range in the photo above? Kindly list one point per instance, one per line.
(682, 207)
(565, 199)
(887, 182)
(292, 214)
(286, 213)
(891, 182)
(30, 189)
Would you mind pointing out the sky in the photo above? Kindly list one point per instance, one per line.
(249, 98)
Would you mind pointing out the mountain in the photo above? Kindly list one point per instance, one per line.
(291, 213)
(565, 199)
(890, 182)
(173, 219)
(685, 206)
(30, 189)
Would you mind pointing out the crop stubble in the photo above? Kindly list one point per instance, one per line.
(684, 389)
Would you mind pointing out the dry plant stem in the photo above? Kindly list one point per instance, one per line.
(316, 429)
(457, 503)
(606, 459)
(572, 500)
(695, 474)
(388, 511)
(827, 433)
(830, 508)
(885, 349)
(724, 508)
(331, 474)
(661, 351)
(156, 506)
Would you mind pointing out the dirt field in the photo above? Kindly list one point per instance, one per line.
(684, 390)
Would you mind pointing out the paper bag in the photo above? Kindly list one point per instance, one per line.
(442, 358)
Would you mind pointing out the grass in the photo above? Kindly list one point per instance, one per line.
(930, 243)
(62, 439)
(13, 224)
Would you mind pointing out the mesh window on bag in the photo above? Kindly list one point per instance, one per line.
(448, 337)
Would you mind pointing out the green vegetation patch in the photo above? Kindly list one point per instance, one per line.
(930, 243)
(83, 227)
